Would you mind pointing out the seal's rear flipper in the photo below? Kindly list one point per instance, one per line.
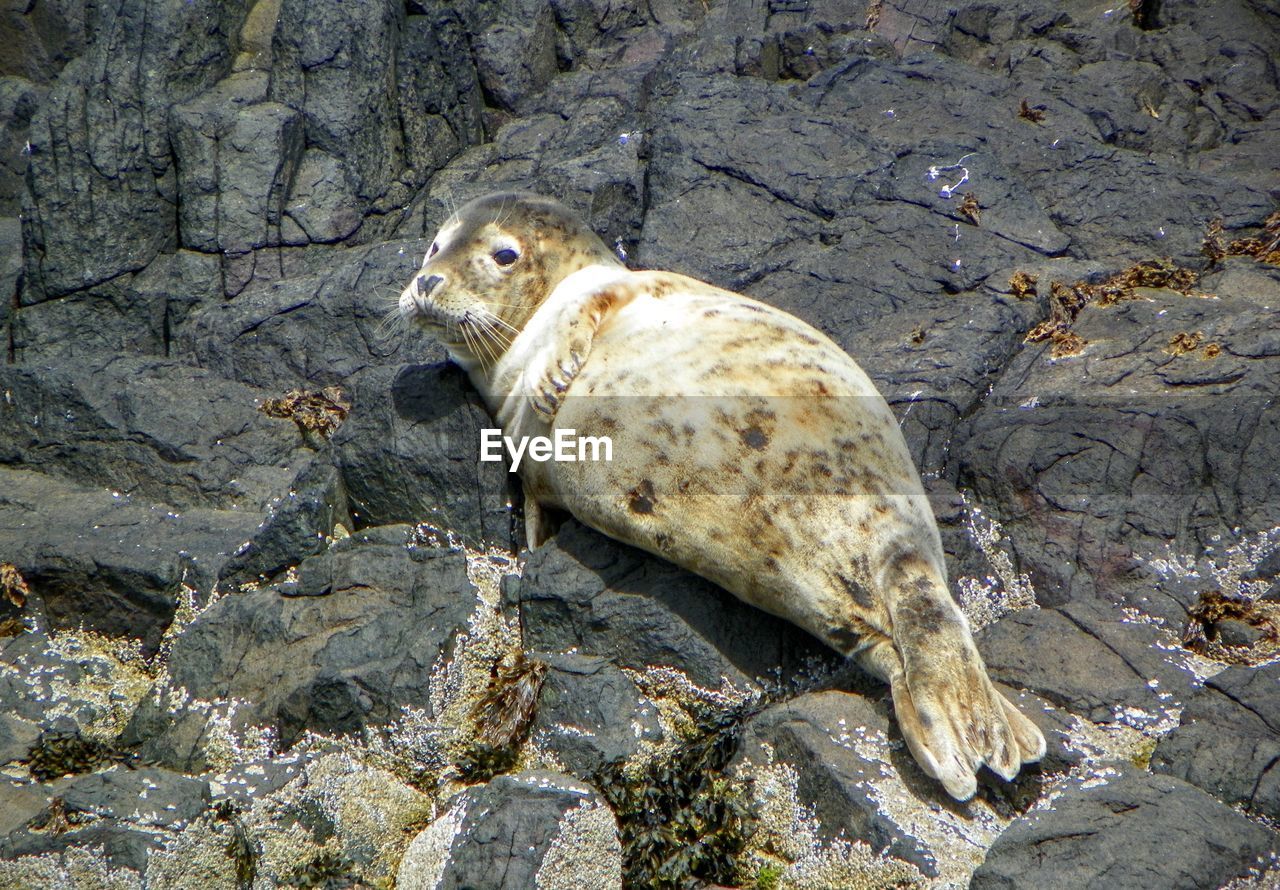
(952, 717)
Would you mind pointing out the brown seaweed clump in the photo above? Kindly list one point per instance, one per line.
(1233, 629)
(13, 586)
(318, 411)
(502, 717)
(1022, 285)
(1067, 301)
(1264, 249)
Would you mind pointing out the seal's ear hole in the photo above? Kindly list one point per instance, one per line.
(505, 257)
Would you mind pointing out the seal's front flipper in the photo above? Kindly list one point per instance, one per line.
(537, 527)
(548, 376)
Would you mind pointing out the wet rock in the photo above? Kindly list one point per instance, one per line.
(1228, 740)
(585, 592)
(517, 831)
(361, 642)
(590, 713)
(1130, 830)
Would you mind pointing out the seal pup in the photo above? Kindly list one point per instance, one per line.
(747, 447)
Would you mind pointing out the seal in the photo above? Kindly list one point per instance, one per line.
(747, 447)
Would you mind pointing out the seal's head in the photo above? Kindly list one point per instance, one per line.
(491, 266)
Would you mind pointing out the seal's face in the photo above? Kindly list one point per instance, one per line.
(491, 266)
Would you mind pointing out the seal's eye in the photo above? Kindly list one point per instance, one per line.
(505, 257)
(435, 249)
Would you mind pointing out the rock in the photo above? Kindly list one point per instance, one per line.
(147, 796)
(41, 37)
(516, 54)
(149, 428)
(1088, 660)
(10, 267)
(410, 452)
(321, 326)
(336, 63)
(16, 737)
(518, 831)
(102, 194)
(590, 713)
(110, 562)
(236, 156)
(298, 524)
(843, 750)
(22, 802)
(1126, 832)
(19, 99)
(1128, 458)
(1228, 740)
(377, 618)
(582, 591)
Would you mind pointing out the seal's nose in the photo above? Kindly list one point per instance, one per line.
(426, 284)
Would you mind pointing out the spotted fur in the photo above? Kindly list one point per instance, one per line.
(747, 447)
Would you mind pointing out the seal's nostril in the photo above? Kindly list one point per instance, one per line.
(426, 284)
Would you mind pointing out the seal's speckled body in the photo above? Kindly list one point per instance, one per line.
(747, 447)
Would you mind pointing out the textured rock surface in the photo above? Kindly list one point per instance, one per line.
(518, 831)
(354, 639)
(1227, 741)
(203, 208)
(1127, 832)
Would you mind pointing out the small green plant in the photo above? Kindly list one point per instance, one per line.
(769, 877)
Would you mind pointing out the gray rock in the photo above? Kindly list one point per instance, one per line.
(17, 735)
(335, 63)
(110, 562)
(236, 155)
(148, 428)
(363, 644)
(516, 831)
(1133, 830)
(1090, 661)
(330, 318)
(41, 37)
(583, 591)
(1126, 467)
(148, 796)
(1228, 740)
(20, 802)
(516, 53)
(410, 452)
(297, 524)
(19, 99)
(827, 737)
(102, 193)
(590, 714)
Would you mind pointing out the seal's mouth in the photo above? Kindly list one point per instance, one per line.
(477, 329)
